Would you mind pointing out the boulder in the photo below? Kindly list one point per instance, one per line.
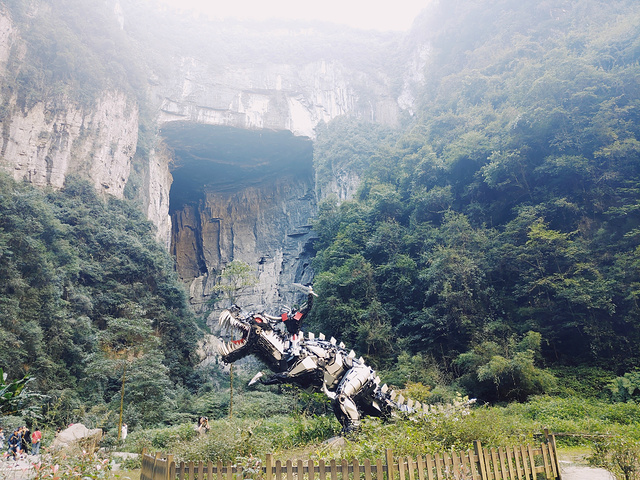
(77, 435)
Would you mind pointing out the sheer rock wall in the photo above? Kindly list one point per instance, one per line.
(264, 224)
(53, 138)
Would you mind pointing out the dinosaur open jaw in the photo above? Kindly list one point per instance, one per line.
(230, 324)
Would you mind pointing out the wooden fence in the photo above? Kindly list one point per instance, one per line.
(481, 463)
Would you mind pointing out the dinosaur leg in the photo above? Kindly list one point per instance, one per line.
(344, 405)
(347, 413)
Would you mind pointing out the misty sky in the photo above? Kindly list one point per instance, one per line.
(366, 14)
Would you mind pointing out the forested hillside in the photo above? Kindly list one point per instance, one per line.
(499, 233)
(87, 292)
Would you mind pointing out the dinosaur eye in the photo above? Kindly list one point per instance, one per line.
(258, 319)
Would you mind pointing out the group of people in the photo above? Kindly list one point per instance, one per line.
(21, 442)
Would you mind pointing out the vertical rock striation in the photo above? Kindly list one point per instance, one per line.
(266, 226)
(44, 144)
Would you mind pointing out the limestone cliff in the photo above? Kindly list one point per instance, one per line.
(52, 138)
(224, 165)
(43, 146)
(266, 226)
(275, 96)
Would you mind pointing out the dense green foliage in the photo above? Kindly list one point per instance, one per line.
(492, 246)
(75, 50)
(83, 282)
(509, 206)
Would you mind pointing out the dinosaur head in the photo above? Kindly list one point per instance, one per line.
(257, 337)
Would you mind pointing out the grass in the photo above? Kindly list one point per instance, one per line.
(605, 428)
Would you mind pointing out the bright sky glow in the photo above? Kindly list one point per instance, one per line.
(380, 15)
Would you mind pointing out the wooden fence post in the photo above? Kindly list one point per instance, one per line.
(479, 453)
(390, 467)
(268, 466)
(551, 441)
(555, 455)
(171, 468)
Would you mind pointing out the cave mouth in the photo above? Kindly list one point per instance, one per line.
(225, 159)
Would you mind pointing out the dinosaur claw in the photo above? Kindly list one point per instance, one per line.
(255, 378)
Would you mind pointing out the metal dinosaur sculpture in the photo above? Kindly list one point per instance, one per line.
(309, 361)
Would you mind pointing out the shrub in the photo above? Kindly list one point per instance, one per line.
(73, 464)
(618, 455)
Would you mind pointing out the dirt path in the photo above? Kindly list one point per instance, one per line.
(15, 469)
(573, 472)
(574, 466)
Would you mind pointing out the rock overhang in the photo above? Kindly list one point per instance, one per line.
(224, 158)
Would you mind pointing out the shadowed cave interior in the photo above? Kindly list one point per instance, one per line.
(220, 158)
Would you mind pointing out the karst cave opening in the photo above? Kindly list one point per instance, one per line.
(222, 158)
(221, 162)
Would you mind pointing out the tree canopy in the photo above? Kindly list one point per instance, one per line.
(507, 206)
(83, 279)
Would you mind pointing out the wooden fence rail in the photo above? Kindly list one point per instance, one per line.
(504, 463)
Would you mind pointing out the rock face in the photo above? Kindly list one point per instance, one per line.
(240, 195)
(264, 223)
(266, 226)
(275, 97)
(51, 139)
(212, 199)
(43, 146)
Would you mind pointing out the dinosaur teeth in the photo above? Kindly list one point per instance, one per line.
(229, 323)
(274, 340)
(225, 348)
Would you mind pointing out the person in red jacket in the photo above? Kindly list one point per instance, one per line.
(36, 437)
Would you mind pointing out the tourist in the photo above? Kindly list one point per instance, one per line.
(26, 440)
(203, 425)
(14, 444)
(35, 442)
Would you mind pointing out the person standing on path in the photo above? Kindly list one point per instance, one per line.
(26, 440)
(35, 442)
(14, 442)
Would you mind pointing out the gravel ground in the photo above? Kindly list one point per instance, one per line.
(574, 466)
(16, 469)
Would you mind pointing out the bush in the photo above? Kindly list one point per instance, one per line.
(73, 464)
(618, 455)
